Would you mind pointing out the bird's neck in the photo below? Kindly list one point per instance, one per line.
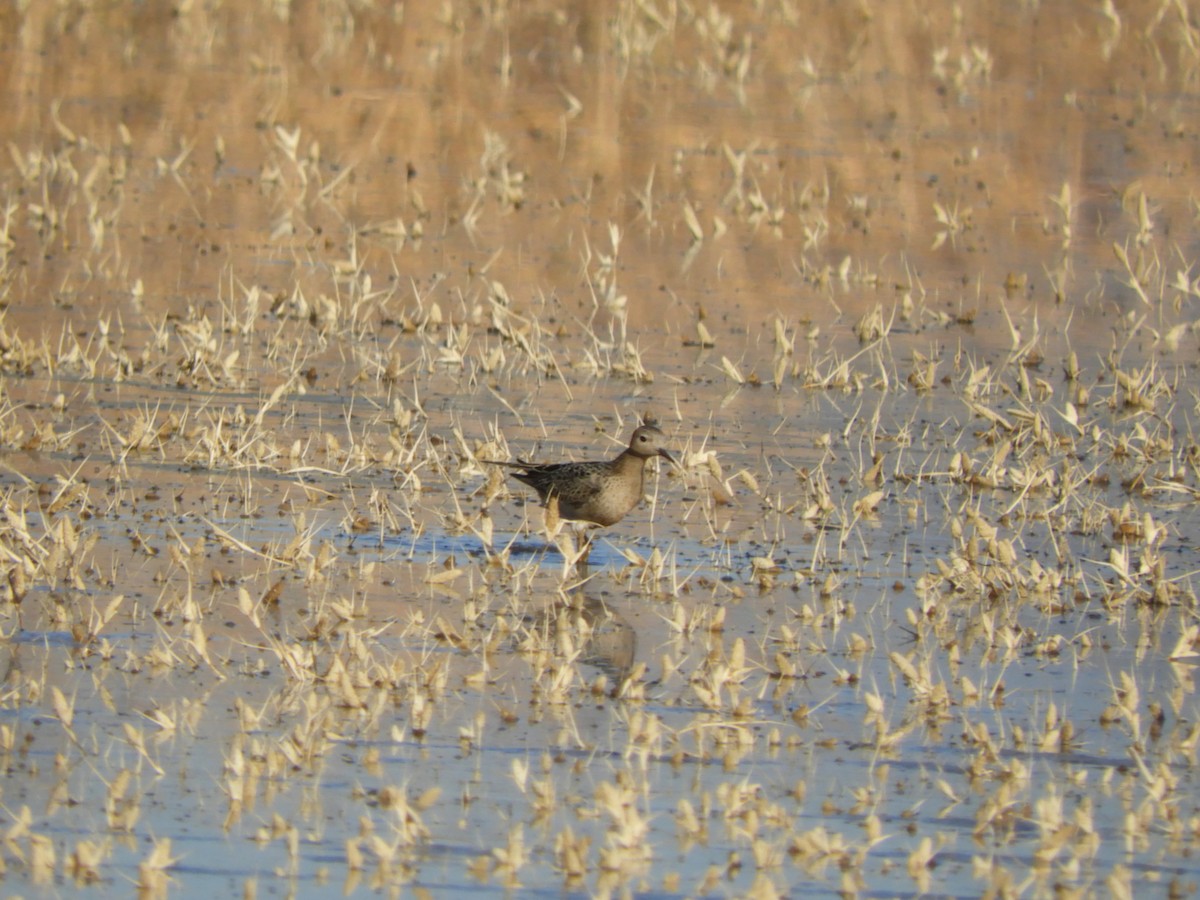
(629, 462)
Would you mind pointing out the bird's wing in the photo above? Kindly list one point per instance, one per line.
(574, 483)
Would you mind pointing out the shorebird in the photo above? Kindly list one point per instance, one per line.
(599, 492)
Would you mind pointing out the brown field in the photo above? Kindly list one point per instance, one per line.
(910, 287)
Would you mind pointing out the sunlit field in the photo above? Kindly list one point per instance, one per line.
(910, 288)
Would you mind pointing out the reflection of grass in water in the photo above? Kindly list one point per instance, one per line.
(917, 615)
(754, 653)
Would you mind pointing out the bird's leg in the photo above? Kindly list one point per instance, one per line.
(574, 543)
(570, 550)
(583, 534)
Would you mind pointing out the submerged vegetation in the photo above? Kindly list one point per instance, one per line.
(915, 614)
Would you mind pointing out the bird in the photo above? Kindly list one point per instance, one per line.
(600, 492)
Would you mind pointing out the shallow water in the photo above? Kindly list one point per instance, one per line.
(911, 296)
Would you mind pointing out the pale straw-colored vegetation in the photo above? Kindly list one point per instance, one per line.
(913, 298)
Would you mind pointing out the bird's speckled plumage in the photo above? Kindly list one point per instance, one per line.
(598, 492)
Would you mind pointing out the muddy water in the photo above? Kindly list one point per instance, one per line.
(911, 288)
